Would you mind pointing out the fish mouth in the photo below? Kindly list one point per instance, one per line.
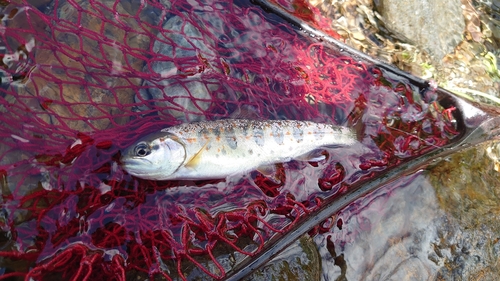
(134, 161)
(133, 165)
(139, 167)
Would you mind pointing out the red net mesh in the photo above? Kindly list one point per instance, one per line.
(84, 79)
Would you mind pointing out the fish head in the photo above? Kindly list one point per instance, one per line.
(155, 157)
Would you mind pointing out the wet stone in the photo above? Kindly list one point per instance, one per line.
(77, 74)
(182, 52)
(441, 224)
(300, 261)
(468, 187)
(432, 39)
(436, 25)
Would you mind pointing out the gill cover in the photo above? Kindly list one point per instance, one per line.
(155, 157)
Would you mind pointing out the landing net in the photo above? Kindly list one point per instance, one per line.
(81, 80)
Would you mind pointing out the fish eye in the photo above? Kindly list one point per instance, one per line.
(142, 149)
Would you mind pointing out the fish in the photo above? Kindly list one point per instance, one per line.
(219, 149)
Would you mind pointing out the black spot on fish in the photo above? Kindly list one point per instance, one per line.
(231, 138)
(279, 138)
(244, 128)
(216, 132)
(203, 133)
(250, 151)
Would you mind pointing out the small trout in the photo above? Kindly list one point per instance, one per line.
(217, 149)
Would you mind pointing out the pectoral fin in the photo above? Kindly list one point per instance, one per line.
(195, 160)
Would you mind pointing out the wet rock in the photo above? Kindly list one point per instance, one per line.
(436, 25)
(183, 54)
(468, 187)
(17, 51)
(300, 261)
(77, 74)
(443, 224)
(386, 235)
(462, 70)
(40, 4)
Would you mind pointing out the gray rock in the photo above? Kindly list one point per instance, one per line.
(441, 224)
(184, 91)
(186, 100)
(435, 25)
(300, 261)
(181, 39)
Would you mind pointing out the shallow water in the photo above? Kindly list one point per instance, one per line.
(432, 225)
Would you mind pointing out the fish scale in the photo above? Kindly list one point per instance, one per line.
(217, 149)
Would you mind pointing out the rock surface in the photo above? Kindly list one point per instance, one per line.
(300, 261)
(77, 73)
(442, 224)
(414, 35)
(436, 25)
(179, 52)
(468, 188)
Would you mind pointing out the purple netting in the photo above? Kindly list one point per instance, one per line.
(84, 79)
